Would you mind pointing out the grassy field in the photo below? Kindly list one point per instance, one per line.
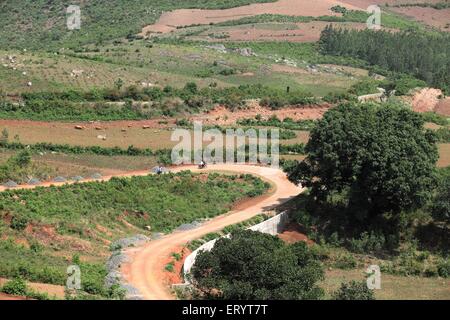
(392, 287)
(164, 64)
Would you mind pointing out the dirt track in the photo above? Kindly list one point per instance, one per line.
(146, 271)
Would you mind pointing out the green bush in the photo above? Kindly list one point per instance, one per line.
(354, 291)
(444, 268)
(367, 243)
(18, 223)
(17, 287)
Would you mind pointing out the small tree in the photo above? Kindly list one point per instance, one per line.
(22, 159)
(191, 87)
(118, 84)
(17, 287)
(354, 291)
(252, 265)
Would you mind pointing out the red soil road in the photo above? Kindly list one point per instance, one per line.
(186, 17)
(146, 271)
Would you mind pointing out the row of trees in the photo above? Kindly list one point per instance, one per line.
(168, 101)
(422, 55)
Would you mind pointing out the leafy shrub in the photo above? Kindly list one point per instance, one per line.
(367, 243)
(354, 291)
(18, 223)
(444, 268)
(17, 287)
(345, 261)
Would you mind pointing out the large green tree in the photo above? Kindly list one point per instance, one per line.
(252, 265)
(379, 156)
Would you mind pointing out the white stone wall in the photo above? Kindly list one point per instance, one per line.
(271, 226)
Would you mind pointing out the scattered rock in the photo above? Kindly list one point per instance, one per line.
(34, 181)
(96, 176)
(189, 226)
(10, 184)
(76, 73)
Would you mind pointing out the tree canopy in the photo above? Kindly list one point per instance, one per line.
(422, 55)
(252, 265)
(380, 156)
(354, 291)
(440, 208)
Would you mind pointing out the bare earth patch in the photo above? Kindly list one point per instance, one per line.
(293, 233)
(306, 32)
(430, 16)
(443, 107)
(169, 21)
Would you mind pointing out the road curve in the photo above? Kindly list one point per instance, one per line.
(147, 262)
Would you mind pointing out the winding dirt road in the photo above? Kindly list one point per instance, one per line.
(145, 271)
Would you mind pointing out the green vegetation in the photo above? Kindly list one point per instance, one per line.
(273, 121)
(354, 291)
(440, 207)
(19, 168)
(18, 287)
(195, 244)
(252, 265)
(404, 52)
(35, 264)
(390, 20)
(51, 147)
(148, 200)
(97, 105)
(24, 26)
(73, 212)
(374, 192)
(443, 135)
(435, 118)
